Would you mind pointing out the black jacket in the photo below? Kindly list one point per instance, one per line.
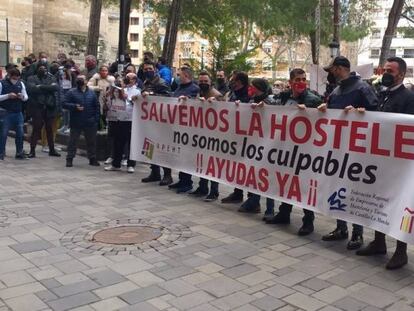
(353, 92)
(89, 116)
(42, 93)
(156, 86)
(400, 100)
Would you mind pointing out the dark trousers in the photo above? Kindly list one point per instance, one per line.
(156, 170)
(121, 131)
(285, 209)
(40, 119)
(203, 185)
(12, 120)
(356, 229)
(90, 137)
(185, 179)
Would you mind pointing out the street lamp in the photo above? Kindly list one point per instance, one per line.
(334, 48)
(202, 57)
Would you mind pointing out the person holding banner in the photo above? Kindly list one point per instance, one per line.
(300, 96)
(239, 92)
(397, 99)
(154, 85)
(209, 93)
(350, 93)
(186, 89)
(120, 113)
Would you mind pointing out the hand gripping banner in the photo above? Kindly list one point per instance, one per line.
(354, 166)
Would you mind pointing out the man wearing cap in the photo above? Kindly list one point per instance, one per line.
(12, 95)
(350, 93)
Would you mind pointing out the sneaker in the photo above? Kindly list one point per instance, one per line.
(249, 207)
(58, 148)
(336, 235)
(66, 132)
(45, 149)
(112, 168)
(124, 162)
(21, 156)
(130, 169)
(211, 197)
(108, 161)
(355, 242)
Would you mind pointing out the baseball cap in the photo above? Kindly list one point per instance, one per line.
(10, 66)
(338, 61)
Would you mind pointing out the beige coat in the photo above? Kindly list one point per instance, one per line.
(99, 85)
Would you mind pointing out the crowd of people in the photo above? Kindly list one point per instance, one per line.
(57, 93)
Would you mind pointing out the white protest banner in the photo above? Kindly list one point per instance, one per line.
(353, 166)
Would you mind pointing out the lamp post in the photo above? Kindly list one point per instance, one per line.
(334, 48)
(202, 57)
(334, 45)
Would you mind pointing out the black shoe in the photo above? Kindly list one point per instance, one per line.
(355, 242)
(306, 229)
(94, 162)
(31, 155)
(54, 153)
(20, 156)
(211, 197)
(279, 219)
(336, 235)
(176, 185)
(69, 162)
(167, 180)
(199, 192)
(233, 198)
(267, 217)
(151, 178)
(184, 189)
(250, 208)
(397, 261)
(372, 249)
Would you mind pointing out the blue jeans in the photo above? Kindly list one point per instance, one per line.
(13, 120)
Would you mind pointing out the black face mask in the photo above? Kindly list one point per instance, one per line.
(388, 79)
(331, 78)
(80, 83)
(127, 81)
(220, 81)
(204, 87)
(41, 72)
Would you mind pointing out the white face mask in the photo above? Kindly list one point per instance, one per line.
(14, 81)
(43, 60)
(276, 91)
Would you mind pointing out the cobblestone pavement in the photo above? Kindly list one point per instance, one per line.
(208, 256)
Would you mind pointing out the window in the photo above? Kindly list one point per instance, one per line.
(392, 53)
(375, 53)
(408, 53)
(134, 20)
(376, 34)
(134, 53)
(133, 37)
(409, 73)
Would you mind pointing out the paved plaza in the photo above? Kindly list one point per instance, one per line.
(207, 256)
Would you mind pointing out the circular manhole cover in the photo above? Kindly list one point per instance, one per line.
(127, 235)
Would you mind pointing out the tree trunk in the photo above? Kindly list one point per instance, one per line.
(171, 31)
(93, 30)
(393, 19)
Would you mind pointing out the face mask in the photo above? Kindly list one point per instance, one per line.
(388, 79)
(14, 81)
(80, 83)
(204, 87)
(299, 87)
(43, 60)
(149, 75)
(220, 81)
(41, 72)
(231, 85)
(177, 80)
(127, 81)
(331, 78)
(276, 91)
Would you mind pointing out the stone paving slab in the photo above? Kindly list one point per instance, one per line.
(209, 257)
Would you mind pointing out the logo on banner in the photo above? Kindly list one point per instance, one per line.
(148, 148)
(335, 200)
(407, 221)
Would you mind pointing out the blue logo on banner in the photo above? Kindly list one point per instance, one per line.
(335, 202)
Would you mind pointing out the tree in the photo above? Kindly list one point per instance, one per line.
(152, 38)
(171, 31)
(93, 30)
(393, 19)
